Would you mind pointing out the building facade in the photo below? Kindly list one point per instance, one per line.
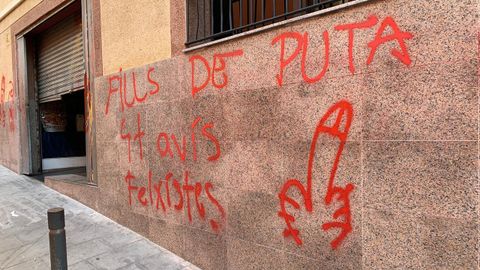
(255, 134)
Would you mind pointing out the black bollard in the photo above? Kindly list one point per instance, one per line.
(58, 242)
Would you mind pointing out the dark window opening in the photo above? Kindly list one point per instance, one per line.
(63, 130)
(209, 20)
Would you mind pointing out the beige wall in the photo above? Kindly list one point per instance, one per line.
(16, 13)
(9, 123)
(130, 40)
(6, 55)
(133, 33)
(5, 35)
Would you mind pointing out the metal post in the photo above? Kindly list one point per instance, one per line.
(58, 242)
(230, 15)
(221, 16)
(188, 20)
(263, 9)
(241, 13)
(212, 19)
(274, 7)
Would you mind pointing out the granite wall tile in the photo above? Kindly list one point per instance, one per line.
(435, 102)
(294, 262)
(303, 105)
(107, 155)
(252, 217)
(170, 76)
(168, 235)
(206, 208)
(207, 250)
(170, 117)
(390, 241)
(254, 114)
(131, 221)
(253, 166)
(449, 243)
(430, 178)
(247, 255)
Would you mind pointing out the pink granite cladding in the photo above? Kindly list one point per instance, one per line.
(9, 124)
(232, 146)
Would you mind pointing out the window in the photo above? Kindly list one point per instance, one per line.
(209, 20)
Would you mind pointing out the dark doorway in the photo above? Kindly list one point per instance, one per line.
(58, 71)
(63, 132)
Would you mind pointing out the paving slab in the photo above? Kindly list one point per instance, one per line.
(93, 241)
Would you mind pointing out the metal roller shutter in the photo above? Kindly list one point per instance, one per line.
(60, 63)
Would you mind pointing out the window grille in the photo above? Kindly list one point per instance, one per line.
(209, 20)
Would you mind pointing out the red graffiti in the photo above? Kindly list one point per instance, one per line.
(3, 115)
(152, 81)
(3, 86)
(87, 95)
(11, 119)
(302, 46)
(11, 93)
(7, 105)
(301, 42)
(219, 65)
(165, 140)
(341, 113)
(158, 195)
(129, 96)
(397, 35)
(11, 109)
(371, 21)
(136, 137)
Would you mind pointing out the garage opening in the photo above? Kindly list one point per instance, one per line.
(60, 70)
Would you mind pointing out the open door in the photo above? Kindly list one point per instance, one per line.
(30, 136)
(60, 70)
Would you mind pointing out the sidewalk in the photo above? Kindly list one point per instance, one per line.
(93, 241)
